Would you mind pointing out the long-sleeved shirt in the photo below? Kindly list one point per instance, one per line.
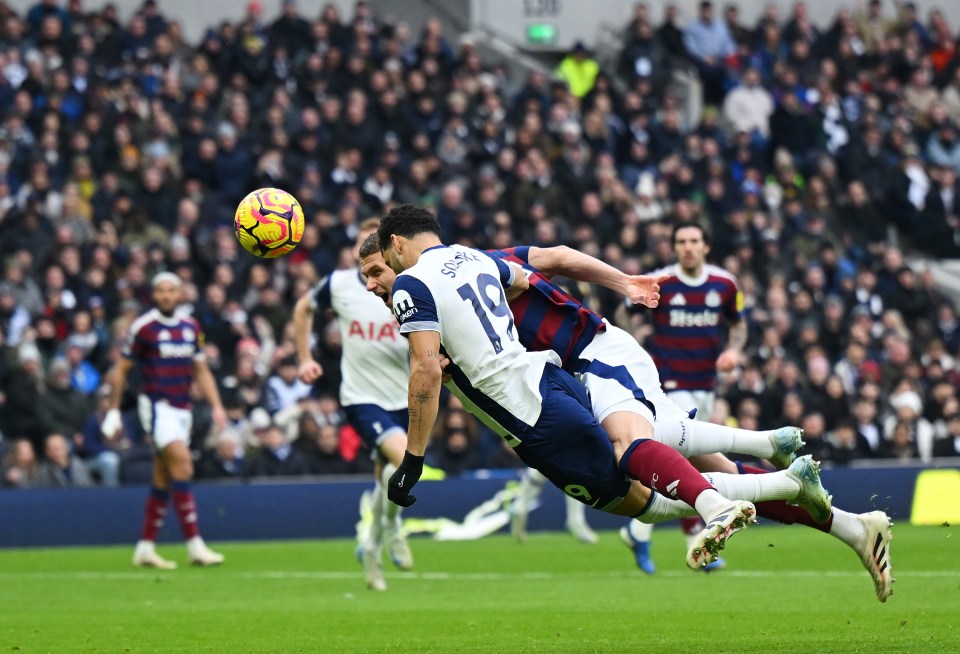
(704, 40)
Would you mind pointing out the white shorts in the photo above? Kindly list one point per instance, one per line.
(702, 401)
(620, 375)
(164, 423)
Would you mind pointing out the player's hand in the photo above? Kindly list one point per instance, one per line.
(310, 371)
(219, 417)
(728, 360)
(444, 362)
(644, 289)
(404, 479)
(112, 423)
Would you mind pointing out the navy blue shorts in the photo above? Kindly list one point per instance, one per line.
(375, 423)
(570, 447)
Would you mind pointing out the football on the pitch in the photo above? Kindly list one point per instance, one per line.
(269, 223)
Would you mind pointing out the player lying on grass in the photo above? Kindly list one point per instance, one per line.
(856, 531)
(450, 301)
(635, 373)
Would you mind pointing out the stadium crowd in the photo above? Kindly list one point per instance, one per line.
(825, 157)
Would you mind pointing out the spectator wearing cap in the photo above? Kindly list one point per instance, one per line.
(60, 468)
(579, 70)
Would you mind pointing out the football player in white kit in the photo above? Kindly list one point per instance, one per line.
(450, 301)
(373, 393)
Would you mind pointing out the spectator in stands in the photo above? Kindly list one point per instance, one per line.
(579, 70)
(284, 389)
(62, 409)
(99, 452)
(60, 468)
(20, 468)
(748, 107)
(226, 460)
(276, 457)
(709, 44)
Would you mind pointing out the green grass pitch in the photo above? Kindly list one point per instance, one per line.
(784, 590)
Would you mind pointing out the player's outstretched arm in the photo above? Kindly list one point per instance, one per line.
(561, 260)
(423, 403)
(310, 371)
(112, 422)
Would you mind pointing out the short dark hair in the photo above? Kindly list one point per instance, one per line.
(407, 220)
(370, 245)
(703, 232)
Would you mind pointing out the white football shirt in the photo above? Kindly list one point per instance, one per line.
(459, 292)
(374, 362)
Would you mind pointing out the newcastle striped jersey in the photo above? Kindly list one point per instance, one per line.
(690, 326)
(548, 318)
(165, 347)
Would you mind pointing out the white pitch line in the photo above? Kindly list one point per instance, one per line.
(321, 575)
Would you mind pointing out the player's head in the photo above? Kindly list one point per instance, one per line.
(691, 244)
(375, 271)
(402, 235)
(166, 292)
(366, 228)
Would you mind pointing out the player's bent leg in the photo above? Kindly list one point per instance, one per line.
(176, 455)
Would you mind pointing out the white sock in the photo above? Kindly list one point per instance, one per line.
(576, 511)
(662, 509)
(375, 535)
(640, 531)
(755, 488)
(531, 486)
(391, 511)
(709, 503)
(847, 527)
(693, 437)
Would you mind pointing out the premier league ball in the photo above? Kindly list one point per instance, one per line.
(269, 223)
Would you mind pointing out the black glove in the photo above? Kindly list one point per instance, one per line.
(401, 481)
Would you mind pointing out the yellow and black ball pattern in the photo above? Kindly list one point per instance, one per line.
(269, 223)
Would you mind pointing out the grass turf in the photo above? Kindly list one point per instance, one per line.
(784, 590)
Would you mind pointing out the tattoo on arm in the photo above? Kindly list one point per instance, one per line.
(422, 397)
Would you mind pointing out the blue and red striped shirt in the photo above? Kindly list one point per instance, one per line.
(690, 325)
(165, 347)
(547, 317)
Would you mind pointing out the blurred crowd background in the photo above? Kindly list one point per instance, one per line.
(824, 160)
